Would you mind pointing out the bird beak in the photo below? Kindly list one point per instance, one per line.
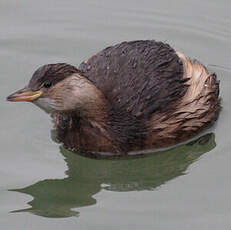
(25, 94)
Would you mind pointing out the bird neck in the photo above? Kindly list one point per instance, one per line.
(83, 99)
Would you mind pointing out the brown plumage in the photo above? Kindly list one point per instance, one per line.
(131, 96)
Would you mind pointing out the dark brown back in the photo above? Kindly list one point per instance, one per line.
(138, 77)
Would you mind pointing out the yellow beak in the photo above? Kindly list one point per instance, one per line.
(25, 94)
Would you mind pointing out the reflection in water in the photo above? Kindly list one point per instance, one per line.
(85, 176)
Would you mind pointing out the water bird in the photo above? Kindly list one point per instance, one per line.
(131, 96)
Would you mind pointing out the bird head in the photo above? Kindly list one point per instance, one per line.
(58, 88)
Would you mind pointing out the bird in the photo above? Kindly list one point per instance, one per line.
(132, 96)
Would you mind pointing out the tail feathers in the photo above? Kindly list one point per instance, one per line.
(201, 81)
(195, 111)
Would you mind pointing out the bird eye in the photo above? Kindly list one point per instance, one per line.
(47, 84)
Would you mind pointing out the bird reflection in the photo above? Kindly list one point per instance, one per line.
(86, 177)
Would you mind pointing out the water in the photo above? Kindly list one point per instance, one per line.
(43, 186)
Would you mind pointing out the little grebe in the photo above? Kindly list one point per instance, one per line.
(132, 96)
